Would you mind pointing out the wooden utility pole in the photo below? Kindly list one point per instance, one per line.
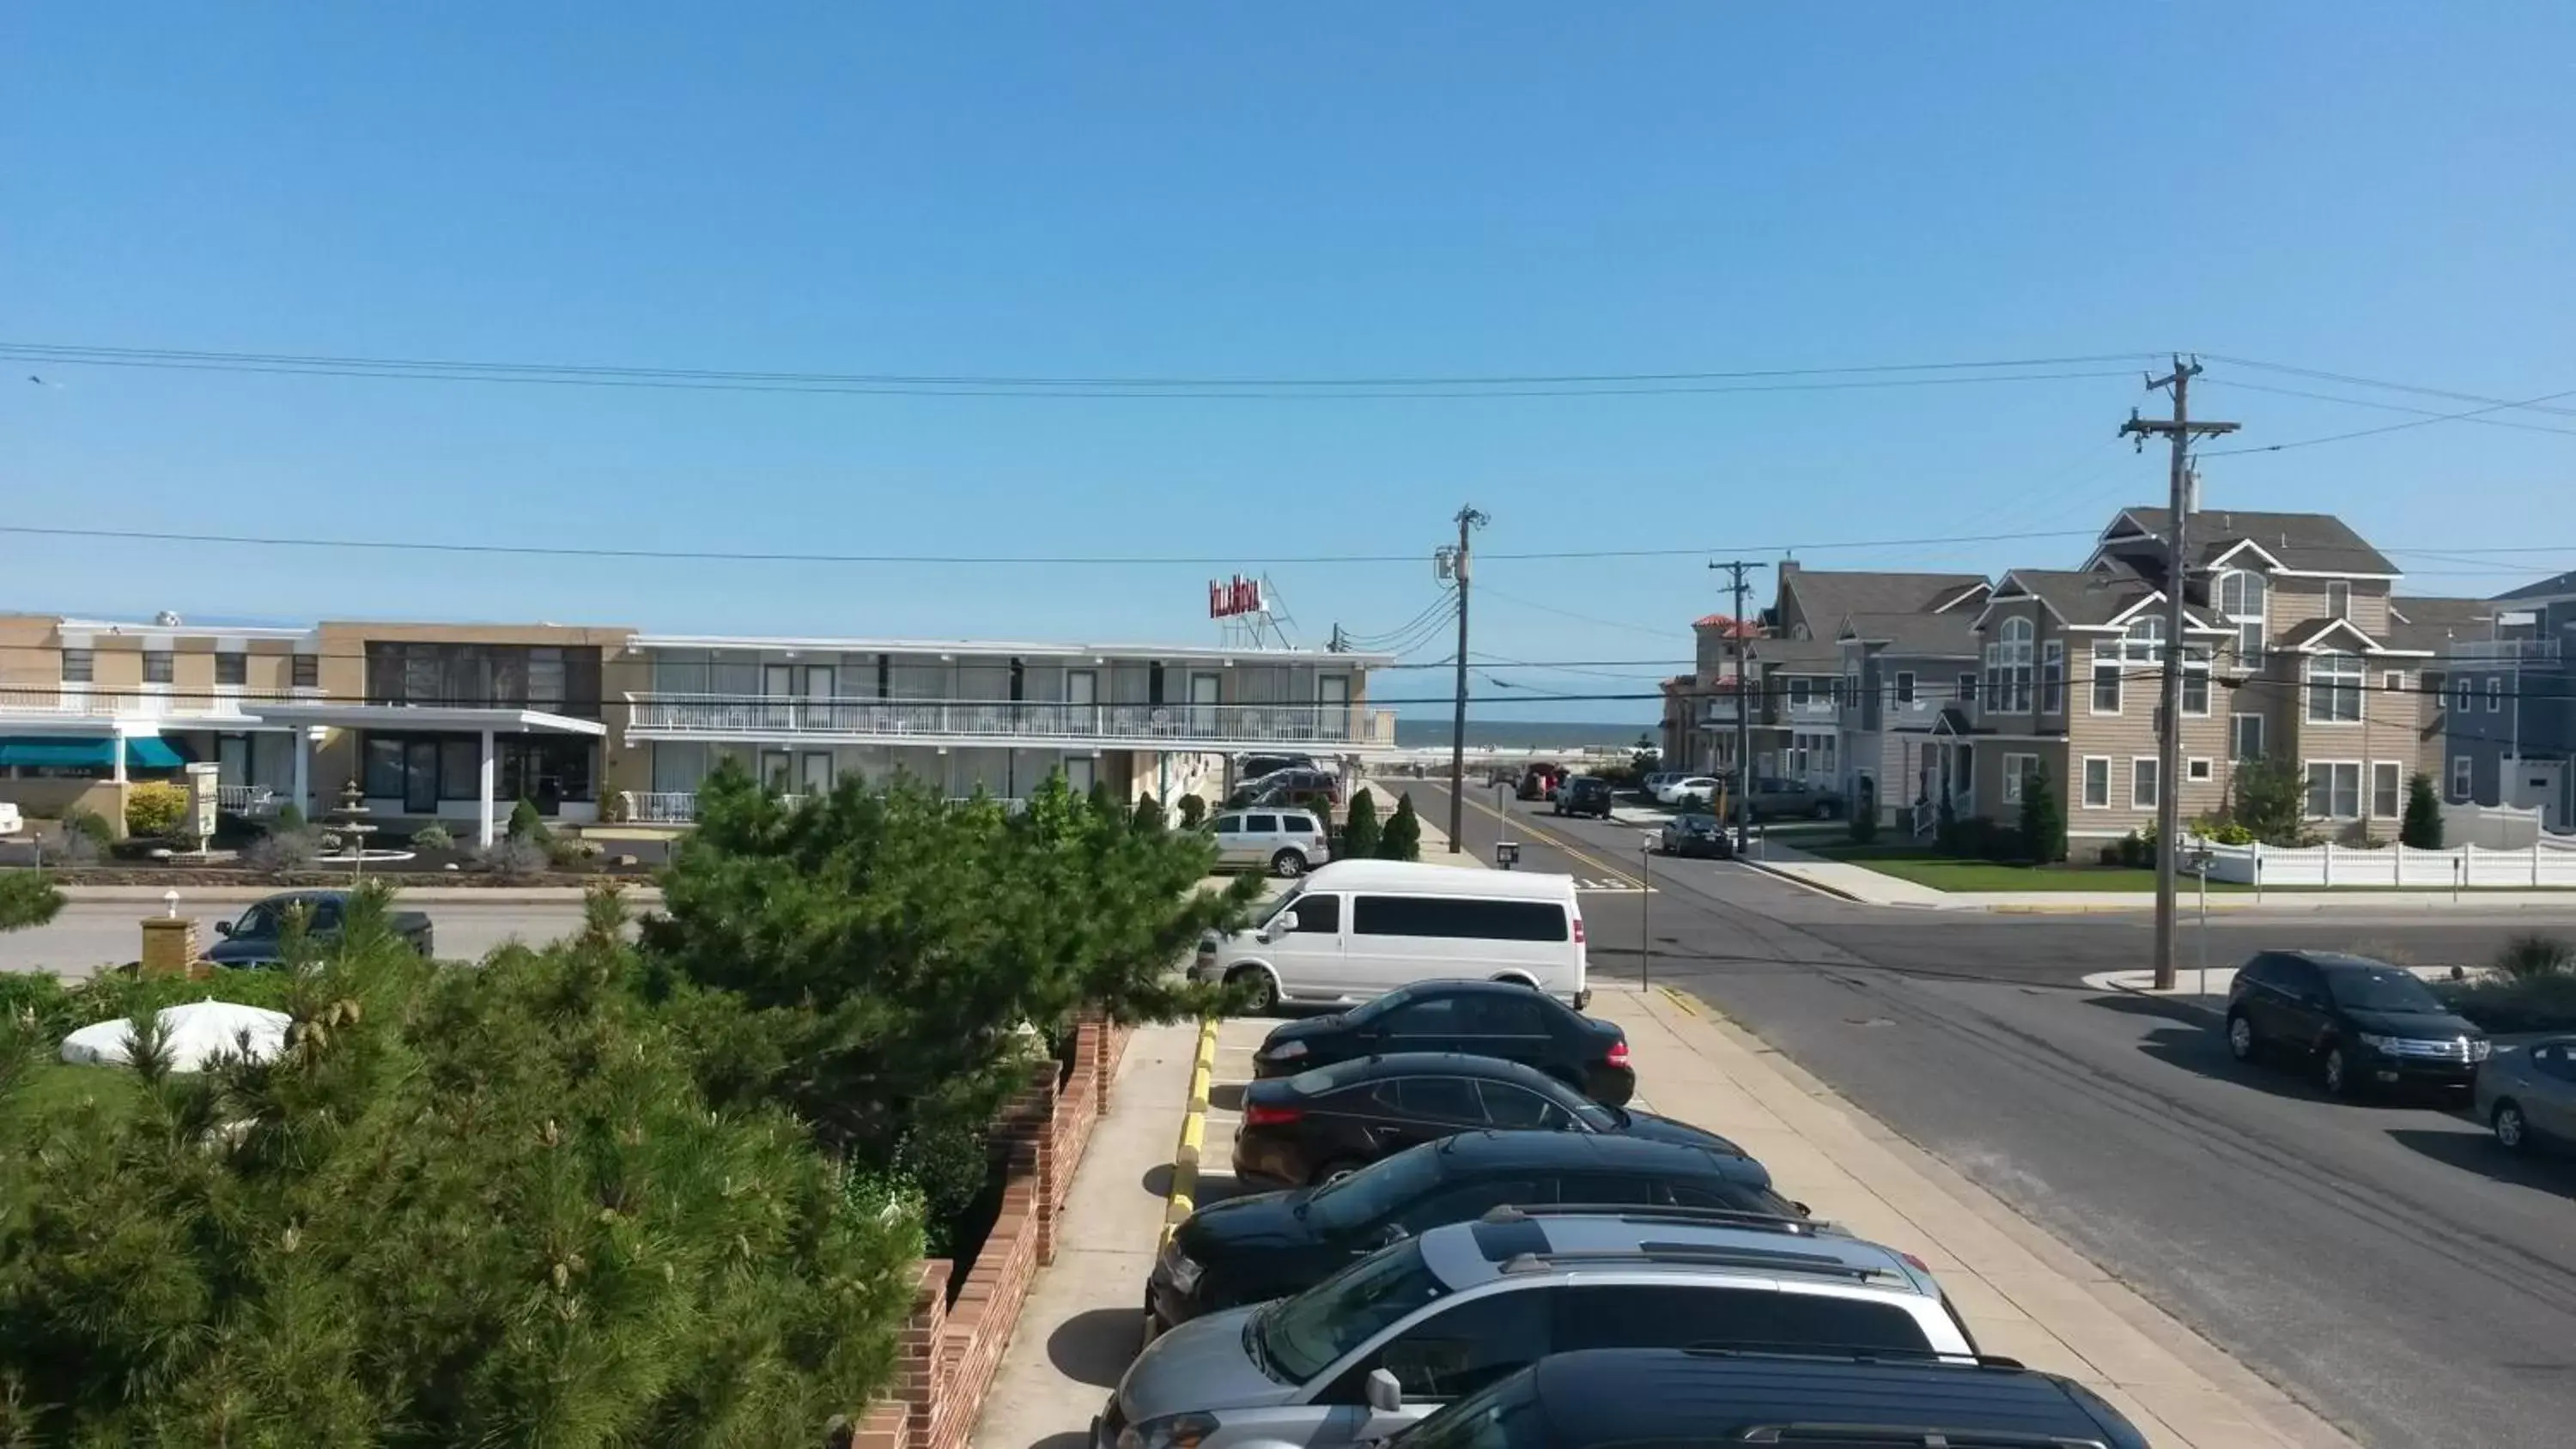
(1468, 520)
(2179, 431)
(1743, 787)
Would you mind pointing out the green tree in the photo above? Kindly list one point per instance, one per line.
(2271, 800)
(1148, 816)
(526, 823)
(1193, 811)
(2043, 820)
(868, 957)
(462, 1206)
(2422, 828)
(28, 898)
(1360, 830)
(1402, 838)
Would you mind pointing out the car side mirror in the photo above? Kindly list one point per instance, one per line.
(1279, 925)
(223, 928)
(1385, 1395)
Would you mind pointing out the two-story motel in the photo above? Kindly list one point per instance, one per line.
(457, 722)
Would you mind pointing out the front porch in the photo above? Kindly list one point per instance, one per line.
(429, 762)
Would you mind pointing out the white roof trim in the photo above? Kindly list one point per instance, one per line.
(2336, 574)
(1002, 649)
(427, 717)
(2242, 544)
(2369, 645)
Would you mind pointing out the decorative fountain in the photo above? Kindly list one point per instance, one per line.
(345, 838)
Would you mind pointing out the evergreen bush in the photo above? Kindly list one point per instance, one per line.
(1402, 837)
(1361, 832)
(155, 809)
(2422, 827)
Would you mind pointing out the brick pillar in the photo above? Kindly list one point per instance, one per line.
(917, 1377)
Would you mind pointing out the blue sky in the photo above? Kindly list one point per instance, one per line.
(1322, 190)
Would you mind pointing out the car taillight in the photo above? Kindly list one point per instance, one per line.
(1618, 1053)
(1260, 1116)
(1578, 930)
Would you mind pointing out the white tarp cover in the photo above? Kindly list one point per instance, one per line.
(192, 1034)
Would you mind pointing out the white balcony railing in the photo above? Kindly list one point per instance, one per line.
(2503, 650)
(83, 702)
(680, 807)
(733, 717)
(253, 800)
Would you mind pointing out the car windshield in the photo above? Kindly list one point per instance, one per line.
(2382, 988)
(1305, 1335)
(1377, 1006)
(1368, 1195)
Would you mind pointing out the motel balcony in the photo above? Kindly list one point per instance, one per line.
(680, 807)
(124, 702)
(1022, 724)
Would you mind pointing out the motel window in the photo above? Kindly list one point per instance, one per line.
(78, 666)
(232, 669)
(159, 666)
(307, 672)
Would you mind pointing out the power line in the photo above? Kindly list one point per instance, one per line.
(1585, 618)
(720, 382)
(70, 352)
(2433, 414)
(2388, 428)
(2357, 381)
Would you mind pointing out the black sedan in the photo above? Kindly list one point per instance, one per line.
(258, 938)
(1489, 1018)
(1696, 835)
(1328, 1123)
(1248, 1249)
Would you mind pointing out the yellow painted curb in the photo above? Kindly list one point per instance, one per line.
(1185, 1155)
(1681, 1000)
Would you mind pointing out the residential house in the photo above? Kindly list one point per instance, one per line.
(2433, 625)
(2510, 724)
(2291, 650)
(1903, 673)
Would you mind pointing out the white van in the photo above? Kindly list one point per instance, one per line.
(1356, 928)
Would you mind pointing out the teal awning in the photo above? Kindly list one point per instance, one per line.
(140, 754)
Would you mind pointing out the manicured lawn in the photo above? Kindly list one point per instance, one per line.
(53, 1089)
(1915, 863)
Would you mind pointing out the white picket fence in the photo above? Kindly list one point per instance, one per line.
(2494, 827)
(2547, 861)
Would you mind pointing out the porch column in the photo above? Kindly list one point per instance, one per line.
(303, 771)
(483, 789)
(116, 757)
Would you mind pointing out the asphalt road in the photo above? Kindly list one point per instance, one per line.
(89, 934)
(2385, 1263)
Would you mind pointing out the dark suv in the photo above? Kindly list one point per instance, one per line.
(1488, 1018)
(1269, 1245)
(1584, 795)
(2364, 1023)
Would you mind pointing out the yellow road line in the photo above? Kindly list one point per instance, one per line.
(1185, 1156)
(1623, 877)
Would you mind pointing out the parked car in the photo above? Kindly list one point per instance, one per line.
(257, 937)
(1696, 835)
(11, 823)
(1584, 795)
(1317, 1126)
(2364, 1023)
(1297, 786)
(1269, 1245)
(1792, 800)
(1358, 928)
(2527, 1093)
(1613, 1398)
(1690, 790)
(1284, 842)
(1248, 768)
(1650, 786)
(1387, 1340)
(1539, 779)
(1487, 1018)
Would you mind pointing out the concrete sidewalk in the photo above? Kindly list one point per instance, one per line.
(1435, 839)
(2026, 1295)
(1084, 1317)
(1858, 883)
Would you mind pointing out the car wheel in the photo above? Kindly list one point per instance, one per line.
(2240, 1038)
(1288, 864)
(2337, 1072)
(2511, 1132)
(1265, 991)
(1334, 1171)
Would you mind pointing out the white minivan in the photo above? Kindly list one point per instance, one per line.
(1357, 928)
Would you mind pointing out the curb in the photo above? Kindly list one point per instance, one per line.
(1767, 868)
(1682, 1001)
(2179, 1005)
(1185, 1155)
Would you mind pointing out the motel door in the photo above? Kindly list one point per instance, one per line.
(819, 689)
(1333, 707)
(1205, 691)
(1082, 692)
(777, 690)
(1079, 772)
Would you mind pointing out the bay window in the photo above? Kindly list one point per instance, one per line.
(2016, 666)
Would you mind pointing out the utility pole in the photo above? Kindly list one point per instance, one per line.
(1337, 645)
(2180, 431)
(1742, 793)
(1468, 519)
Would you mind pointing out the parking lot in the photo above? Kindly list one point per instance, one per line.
(2025, 1294)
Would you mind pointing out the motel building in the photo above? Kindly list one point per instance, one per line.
(456, 723)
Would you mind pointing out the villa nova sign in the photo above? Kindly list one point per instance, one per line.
(1230, 598)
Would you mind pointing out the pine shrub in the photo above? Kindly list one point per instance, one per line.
(1360, 829)
(2422, 826)
(1402, 838)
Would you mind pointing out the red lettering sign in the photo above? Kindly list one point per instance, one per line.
(1230, 597)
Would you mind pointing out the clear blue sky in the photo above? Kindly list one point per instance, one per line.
(1319, 190)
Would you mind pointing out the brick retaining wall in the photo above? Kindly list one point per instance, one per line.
(949, 1354)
